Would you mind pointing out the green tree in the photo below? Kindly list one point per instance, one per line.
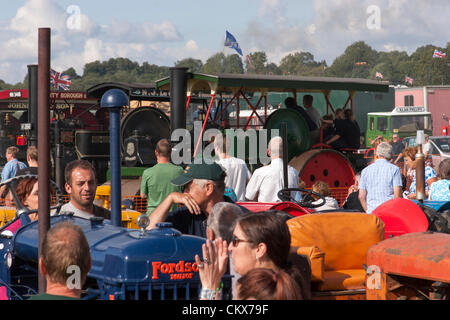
(94, 68)
(301, 64)
(345, 65)
(259, 60)
(72, 73)
(194, 65)
(426, 69)
(214, 64)
(394, 66)
(233, 64)
(273, 69)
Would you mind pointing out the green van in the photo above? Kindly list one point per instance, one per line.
(405, 121)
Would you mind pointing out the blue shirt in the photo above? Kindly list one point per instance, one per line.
(429, 173)
(440, 190)
(379, 180)
(10, 169)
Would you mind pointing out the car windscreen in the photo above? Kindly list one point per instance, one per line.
(443, 143)
(411, 123)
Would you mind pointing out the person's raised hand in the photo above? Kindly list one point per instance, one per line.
(213, 266)
(187, 200)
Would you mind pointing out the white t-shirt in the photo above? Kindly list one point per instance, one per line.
(98, 211)
(237, 175)
(267, 181)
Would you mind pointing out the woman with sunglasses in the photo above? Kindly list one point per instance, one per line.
(260, 240)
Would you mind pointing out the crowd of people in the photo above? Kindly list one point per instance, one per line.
(200, 200)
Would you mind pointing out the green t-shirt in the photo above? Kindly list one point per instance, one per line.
(156, 183)
(46, 296)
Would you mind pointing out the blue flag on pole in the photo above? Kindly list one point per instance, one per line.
(231, 42)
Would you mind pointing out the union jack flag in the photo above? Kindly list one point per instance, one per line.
(439, 54)
(409, 80)
(59, 81)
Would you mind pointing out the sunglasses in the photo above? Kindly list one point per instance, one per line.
(235, 240)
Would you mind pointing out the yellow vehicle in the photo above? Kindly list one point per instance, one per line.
(6, 214)
(102, 198)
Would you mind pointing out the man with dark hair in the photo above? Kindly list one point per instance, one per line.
(310, 110)
(65, 262)
(203, 187)
(292, 104)
(155, 184)
(397, 152)
(314, 129)
(81, 186)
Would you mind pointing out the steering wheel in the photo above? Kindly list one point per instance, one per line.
(12, 184)
(285, 195)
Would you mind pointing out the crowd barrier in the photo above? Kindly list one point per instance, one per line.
(140, 204)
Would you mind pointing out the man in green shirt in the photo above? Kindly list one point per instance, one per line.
(156, 181)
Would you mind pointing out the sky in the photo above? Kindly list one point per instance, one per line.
(163, 32)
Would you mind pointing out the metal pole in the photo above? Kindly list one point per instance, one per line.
(178, 90)
(32, 102)
(114, 99)
(43, 140)
(420, 175)
(116, 187)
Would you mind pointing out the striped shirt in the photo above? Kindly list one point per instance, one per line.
(379, 180)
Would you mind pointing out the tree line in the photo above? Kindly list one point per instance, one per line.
(359, 60)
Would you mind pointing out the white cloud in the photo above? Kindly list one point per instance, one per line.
(404, 25)
(93, 50)
(76, 39)
(165, 31)
(334, 25)
(191, 45)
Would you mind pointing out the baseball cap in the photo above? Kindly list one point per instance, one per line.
(200, 171)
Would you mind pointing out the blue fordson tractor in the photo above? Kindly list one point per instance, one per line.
(127, 264)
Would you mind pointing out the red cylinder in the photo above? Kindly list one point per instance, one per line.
(326, 165)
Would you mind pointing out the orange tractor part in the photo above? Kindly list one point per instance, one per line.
(409, 267)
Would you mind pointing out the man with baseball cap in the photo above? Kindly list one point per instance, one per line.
(203, 187)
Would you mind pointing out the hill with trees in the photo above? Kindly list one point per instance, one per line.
(359, 60)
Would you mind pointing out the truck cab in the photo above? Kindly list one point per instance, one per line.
(405, 121)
